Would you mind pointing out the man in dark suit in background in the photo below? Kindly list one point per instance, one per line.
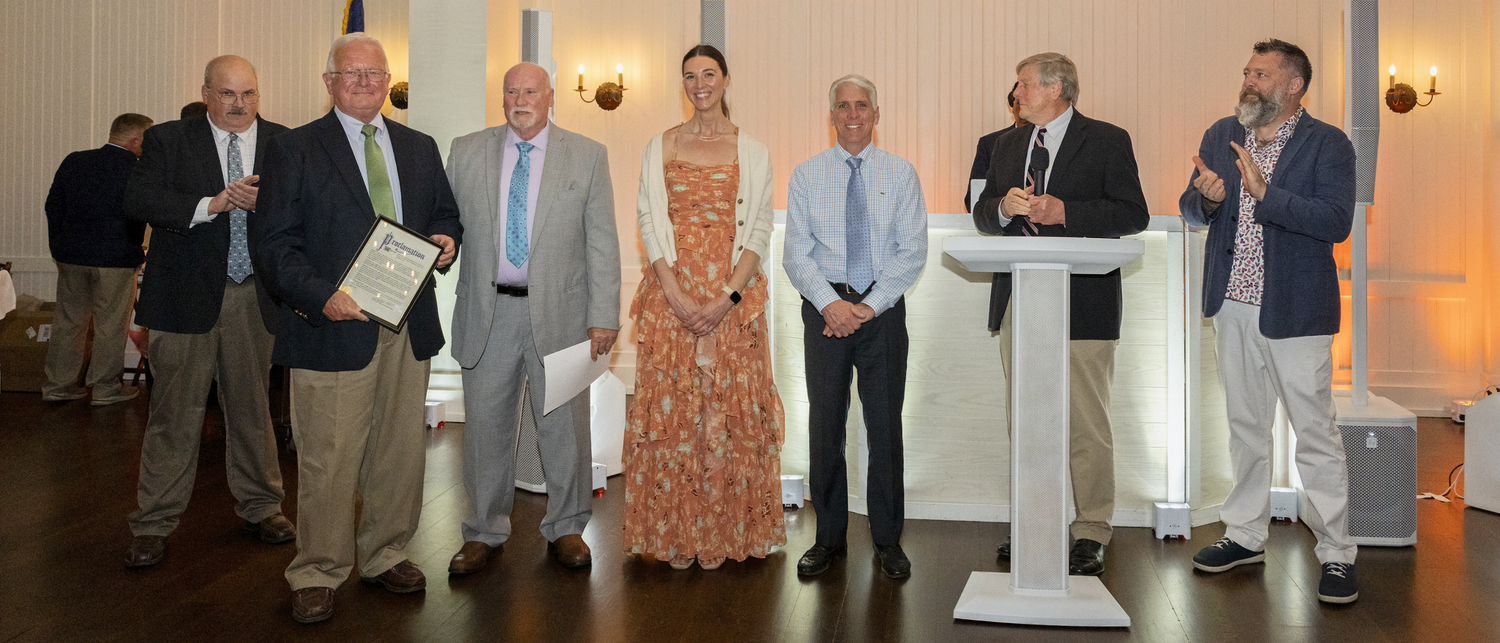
(1271, 286)
(1091, 188)
(207, 312)
(358, 388)
(986, 147)
(97, 253)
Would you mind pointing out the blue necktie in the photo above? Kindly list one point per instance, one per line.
(239, 247)
(857, 229)
(516, 241)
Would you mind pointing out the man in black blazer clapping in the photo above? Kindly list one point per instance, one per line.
(207, 310)
(1090, 188)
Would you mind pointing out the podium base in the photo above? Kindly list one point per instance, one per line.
(988, 597)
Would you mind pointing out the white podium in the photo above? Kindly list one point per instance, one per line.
(1038, 590)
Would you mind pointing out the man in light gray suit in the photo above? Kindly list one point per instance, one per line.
(546, 276)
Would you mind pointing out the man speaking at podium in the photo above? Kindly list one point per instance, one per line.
(1067, 175)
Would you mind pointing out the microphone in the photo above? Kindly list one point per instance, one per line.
(1037, 171)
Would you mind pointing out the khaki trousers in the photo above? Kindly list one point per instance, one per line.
(1091, 458)
(360, 436)
(1256, 372)
(84, 293)
(237, 353)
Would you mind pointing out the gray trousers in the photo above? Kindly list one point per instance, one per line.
(492, 408)
(237, 353)
(85, 293)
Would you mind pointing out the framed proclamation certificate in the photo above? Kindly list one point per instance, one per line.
(388, 272)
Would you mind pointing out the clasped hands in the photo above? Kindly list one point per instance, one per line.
(701, 319)
(1211, 186)
(1042, 210)
(237, 194)
(841, 318)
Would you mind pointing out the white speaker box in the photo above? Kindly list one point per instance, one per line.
(1380, 445)
(1482, 455)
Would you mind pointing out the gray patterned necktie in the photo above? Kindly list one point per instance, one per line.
(857, 229)
(239, 246)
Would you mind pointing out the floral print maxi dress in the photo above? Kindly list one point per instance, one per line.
(703, 448)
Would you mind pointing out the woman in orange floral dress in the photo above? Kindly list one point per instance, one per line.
(703, 448)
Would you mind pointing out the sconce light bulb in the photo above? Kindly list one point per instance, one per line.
(620, 68)
(580, 69)
(1393, 70)
(1432, 71)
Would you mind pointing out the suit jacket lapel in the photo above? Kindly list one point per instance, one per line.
(1077, 131)
(554, 178)
(202, 146)
(336, 144)
(260, 143)
(404, 149)
(1299, 136)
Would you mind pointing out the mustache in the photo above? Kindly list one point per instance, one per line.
(238, 111)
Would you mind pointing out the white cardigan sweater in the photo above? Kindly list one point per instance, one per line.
(753, 214)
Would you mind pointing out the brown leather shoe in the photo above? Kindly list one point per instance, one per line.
(471, 558)
(274, 530)
(146, 551)
(312, 604)
(571, 551)
(404, 578)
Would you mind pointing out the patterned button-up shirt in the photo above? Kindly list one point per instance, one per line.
(1247, 279)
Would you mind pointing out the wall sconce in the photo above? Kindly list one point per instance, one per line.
(609, 95)
(399, 92)
(1401, 98)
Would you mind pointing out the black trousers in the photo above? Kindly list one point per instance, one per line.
(878, 351)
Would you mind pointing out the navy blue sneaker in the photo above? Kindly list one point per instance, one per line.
(1225, 554)
(1338, 584)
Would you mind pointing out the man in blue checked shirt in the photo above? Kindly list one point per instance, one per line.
(856, 239)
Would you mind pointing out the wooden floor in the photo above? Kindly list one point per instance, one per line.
(68, 475)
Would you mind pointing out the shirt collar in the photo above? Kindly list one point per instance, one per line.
(1059, 125)
(864, 154)
(540, 140)
(222, 135)
(353, 128)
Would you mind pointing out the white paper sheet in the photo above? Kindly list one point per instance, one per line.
(976, 188)
(569, 372)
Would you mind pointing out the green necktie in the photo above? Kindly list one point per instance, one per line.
(380, 178)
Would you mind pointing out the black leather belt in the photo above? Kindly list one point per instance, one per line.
(846, 289)
(513, 291)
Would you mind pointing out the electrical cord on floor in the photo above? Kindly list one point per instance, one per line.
(1453, 478)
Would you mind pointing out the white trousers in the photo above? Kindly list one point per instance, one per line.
(1255, 372)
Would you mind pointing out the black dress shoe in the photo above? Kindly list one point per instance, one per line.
(1004, 549)
(893, 561)
(818, 559)
(1087, 558)
(146, 551)
(273, 530)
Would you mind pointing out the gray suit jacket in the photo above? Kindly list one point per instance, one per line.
(574, 275)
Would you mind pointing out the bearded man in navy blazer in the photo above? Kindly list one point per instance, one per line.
(1276, 188)
(1091, 188)
(208, 313)
(358, 389)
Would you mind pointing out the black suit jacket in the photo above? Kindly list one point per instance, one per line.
(85, 222)
(183, 287)
(982, 156)
(314, 213)
(1096, 178)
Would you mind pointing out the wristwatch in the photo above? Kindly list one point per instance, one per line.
(734, 295)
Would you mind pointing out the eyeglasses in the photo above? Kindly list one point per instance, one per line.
(356, 75)
(228, 97)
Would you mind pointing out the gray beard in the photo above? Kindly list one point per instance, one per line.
(1257, 114)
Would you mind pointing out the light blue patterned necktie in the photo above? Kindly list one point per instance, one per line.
(239, 247)
(857, 229)
(516, 241)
